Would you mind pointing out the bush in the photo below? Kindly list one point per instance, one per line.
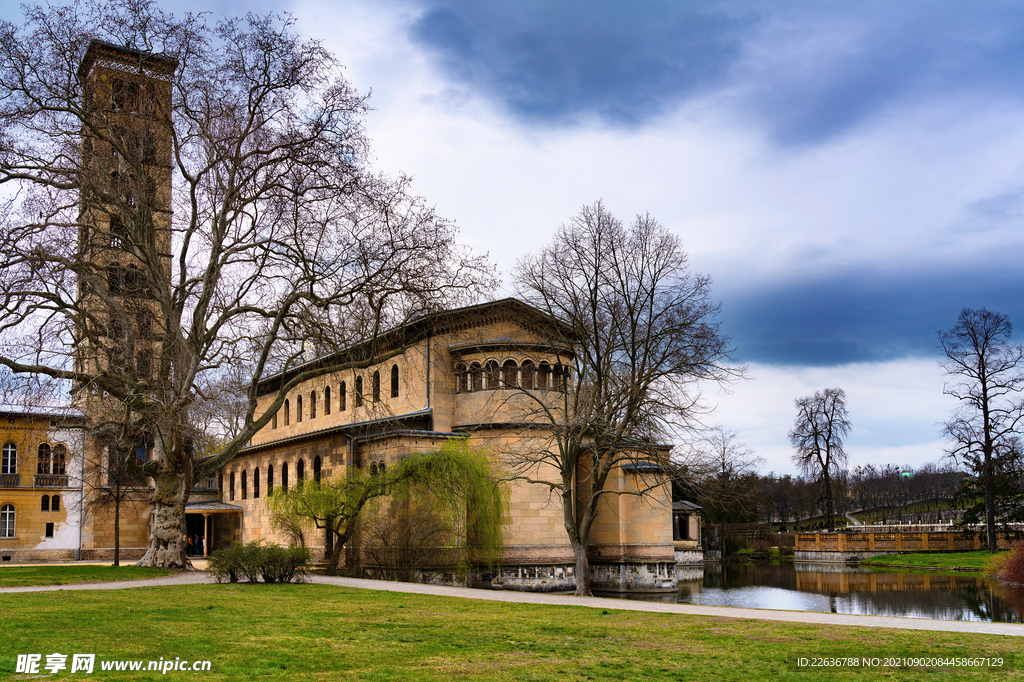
(1013, 565)
(255, 560)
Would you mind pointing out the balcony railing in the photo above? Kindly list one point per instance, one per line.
(51, 481)
(9, 480)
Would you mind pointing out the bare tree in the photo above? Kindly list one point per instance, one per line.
(986, 374)
(821, 426)
(642, 334)
(188, 198)
(729, 486)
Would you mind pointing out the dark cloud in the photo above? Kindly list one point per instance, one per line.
(864, 318)
(806, 72)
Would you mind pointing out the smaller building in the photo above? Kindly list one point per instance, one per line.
(686, 532)
(41, 465)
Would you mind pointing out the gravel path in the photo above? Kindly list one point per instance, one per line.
(199, 577)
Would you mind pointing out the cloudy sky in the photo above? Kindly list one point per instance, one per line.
(850, 173)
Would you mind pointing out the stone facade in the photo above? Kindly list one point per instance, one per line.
(477, 371)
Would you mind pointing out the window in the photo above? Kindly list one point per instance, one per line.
(270, 478)
(298, 409)
(476, 376)
(359, 391)
(287, 415)
(55, 503)
(49, 530)
(373, 468)
(394, 381)
(284, 476)
(273, 421)
(256, 483)
(508, 374)
(317, 464)
(341, 397)
(243, 485)
(460, 378)
(232, 484)
(300, 470)
(529, 374)
(125, 280)
(43, 461)
(7, 521)
(59, 461)
(312, 405)
(327, 400)
(376, 387)
(542, 376)
(491, 375)
(220, 485)
(45, 503)
(9, 463)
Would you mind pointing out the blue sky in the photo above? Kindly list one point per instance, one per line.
(850, 173)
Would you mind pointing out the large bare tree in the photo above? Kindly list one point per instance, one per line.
(643, 335)
(986, 374)
(210, 207)
(728, 486)
(821, 425)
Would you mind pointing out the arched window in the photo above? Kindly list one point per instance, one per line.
(60, 456)
(394, 381)
(560, 377)
(529, 372)
(220, 485)
(312, 404)
(376, 387)
(317, 464)
(373, 468)
(476, 375)
(300, 470)
(342, 392)
(270, 478)
(327, 400)
(244, 491)
(273, 421)
(43, 466)
(382, 468)
(359, 391)
(256, 483)
(232, 483)
(298, 409)
(55, 503)
(287, 413)
(460, 378)
(9, 463)
(508, 374)
(7, 521)
(542, 376)
(284, 476)
(491, 375)
(45, 504)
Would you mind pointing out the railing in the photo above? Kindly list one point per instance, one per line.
(9, 480)
(893, 541)
(51, 480)
(208, 484)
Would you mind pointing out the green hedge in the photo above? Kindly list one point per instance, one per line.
(255, 560)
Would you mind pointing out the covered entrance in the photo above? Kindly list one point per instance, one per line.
(210, 526)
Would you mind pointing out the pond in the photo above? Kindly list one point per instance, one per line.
(837, 588)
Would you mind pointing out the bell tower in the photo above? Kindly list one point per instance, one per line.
(124, 236)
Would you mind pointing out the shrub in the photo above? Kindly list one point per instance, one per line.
(1013, 566)
(255, 560)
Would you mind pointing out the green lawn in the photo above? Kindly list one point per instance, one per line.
(20, 576)
(316, 632)
(962, 561)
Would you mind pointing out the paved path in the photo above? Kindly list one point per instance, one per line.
(853, 520)
(199, 577)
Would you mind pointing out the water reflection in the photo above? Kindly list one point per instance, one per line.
(836, 588)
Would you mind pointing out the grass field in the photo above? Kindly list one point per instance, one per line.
(973, 562)
(314, 632)
(21, 576)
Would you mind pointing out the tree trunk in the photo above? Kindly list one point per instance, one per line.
(166, 533)
(579, 551)
(990, 503)
(117, 529)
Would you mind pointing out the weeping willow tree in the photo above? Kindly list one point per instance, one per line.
(456, 482)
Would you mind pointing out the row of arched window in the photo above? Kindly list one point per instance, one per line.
(50, 460)
(357, 398)
(510, 375)
(243, 479)
(49, 503)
